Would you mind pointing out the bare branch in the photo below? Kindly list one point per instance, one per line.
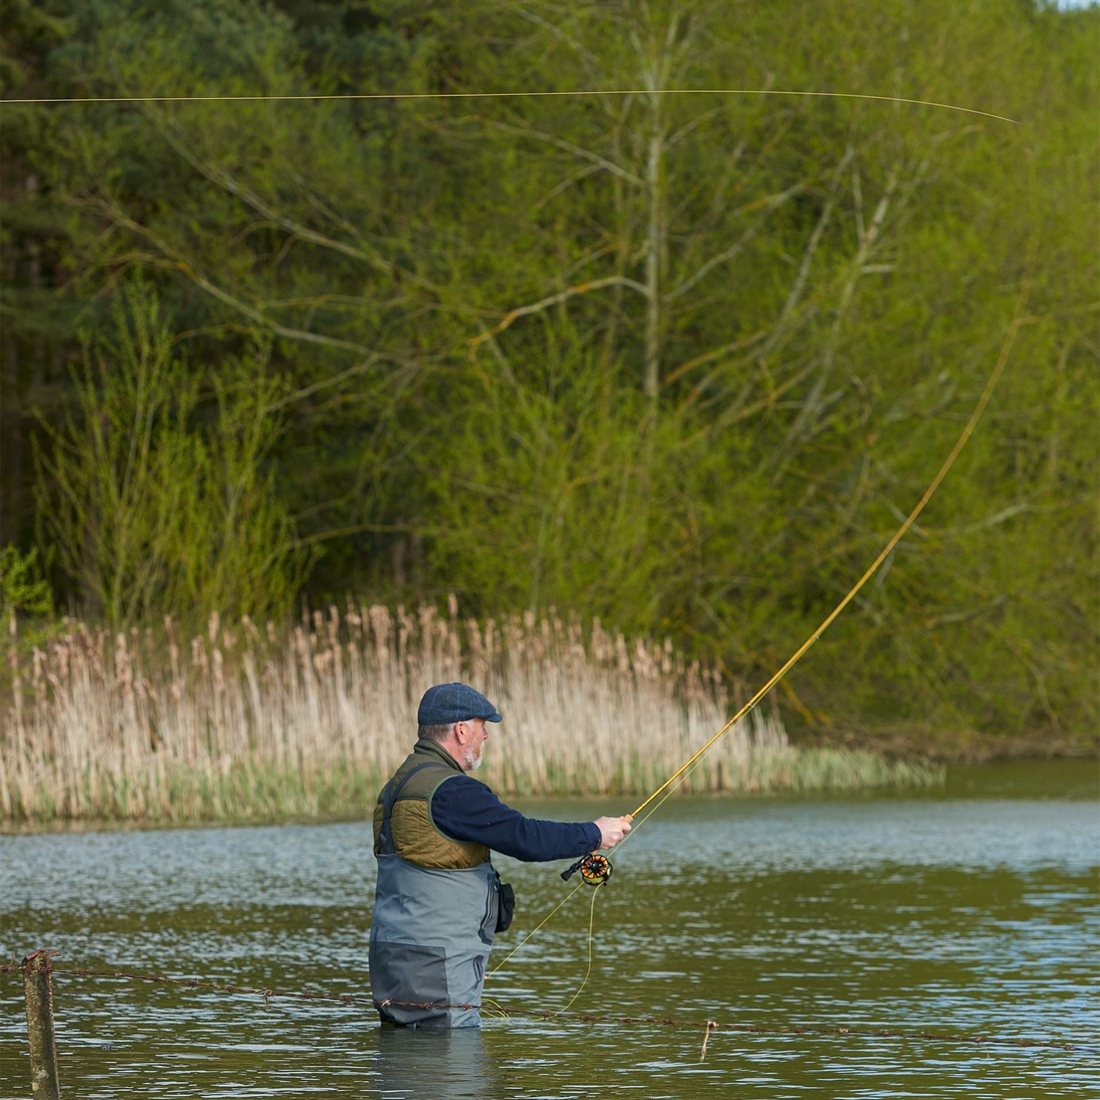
(692, 124)
(857, 198)
(587, 56)
(324, 384)
(184, 265)
(355, 529)
(568, 146)
(743, 413)
(321, 206)
(172, 132)
(963, 616)
(715, 353)
(799, 284)
(1005, 514)
(554, 299)
(565, 184)
(769, 204)
(815, 401)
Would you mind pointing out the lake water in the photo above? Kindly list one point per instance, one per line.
(974, 911)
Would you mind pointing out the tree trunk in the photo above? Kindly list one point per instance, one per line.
(655, 247)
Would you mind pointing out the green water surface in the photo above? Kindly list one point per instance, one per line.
(972, 912)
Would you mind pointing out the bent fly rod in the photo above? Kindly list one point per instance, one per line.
(1018, 318)
(595, 869)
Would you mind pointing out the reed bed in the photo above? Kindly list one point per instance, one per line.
(308, 720)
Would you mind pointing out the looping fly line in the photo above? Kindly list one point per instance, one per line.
(514, 95)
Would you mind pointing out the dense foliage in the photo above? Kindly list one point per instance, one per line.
(680, 361)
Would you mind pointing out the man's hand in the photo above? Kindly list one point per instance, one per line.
(612, 829)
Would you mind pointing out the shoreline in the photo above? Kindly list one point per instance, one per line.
(306, 724)
(967, 747)
(1052, 778)
(254, 789)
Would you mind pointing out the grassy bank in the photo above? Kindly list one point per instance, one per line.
(248, 724)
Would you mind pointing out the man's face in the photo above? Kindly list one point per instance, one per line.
(476, 735)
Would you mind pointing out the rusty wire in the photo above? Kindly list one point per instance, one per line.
(707, 1026)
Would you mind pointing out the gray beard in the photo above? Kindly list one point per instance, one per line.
(473, 765)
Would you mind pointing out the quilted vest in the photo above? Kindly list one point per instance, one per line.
(403, 823)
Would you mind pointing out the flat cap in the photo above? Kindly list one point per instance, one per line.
(446, 703)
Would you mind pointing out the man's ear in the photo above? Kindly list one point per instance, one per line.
(460, 731)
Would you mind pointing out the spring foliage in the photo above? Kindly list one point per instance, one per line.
(148, 512)
(681, 361)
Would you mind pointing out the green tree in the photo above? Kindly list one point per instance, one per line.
(678, 360)
(22, 586)
(148, 513)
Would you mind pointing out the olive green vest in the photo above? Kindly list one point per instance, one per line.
(412, 834)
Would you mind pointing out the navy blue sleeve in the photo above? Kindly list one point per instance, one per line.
(465, 809)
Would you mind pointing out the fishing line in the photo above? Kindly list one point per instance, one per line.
(669, 786)
(588, 972)
(666, 789)
(497, 1010)
(568, 897)
(968, 430)
(591, 914)
(512, 95)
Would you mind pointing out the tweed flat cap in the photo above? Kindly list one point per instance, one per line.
(446, 703)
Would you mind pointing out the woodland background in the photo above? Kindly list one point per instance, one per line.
(679, 362)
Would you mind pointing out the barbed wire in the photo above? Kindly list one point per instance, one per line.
(706, 1026)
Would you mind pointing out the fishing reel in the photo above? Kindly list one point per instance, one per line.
(594, 869)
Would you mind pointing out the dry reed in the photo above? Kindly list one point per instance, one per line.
(308, 720)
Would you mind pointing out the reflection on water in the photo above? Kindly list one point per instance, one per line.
(971, 914)
(418, 1065)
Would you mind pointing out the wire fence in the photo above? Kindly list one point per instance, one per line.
(707, 1027)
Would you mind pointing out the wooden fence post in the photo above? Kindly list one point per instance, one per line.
(45, 1084)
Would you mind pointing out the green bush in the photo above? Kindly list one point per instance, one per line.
(151, 502)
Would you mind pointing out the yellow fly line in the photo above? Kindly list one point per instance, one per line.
(561, 904)
(667, 788)
(968, 430)
(513, 95)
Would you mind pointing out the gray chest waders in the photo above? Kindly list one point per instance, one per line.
(431, 931)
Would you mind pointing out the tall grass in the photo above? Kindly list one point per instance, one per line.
(310, 719)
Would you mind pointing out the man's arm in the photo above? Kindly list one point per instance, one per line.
(465, 809)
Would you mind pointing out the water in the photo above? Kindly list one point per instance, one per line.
(972, 912)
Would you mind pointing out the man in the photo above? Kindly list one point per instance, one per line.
(438, 898)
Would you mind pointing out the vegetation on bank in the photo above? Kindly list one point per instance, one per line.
(680, 362)
(242, 723)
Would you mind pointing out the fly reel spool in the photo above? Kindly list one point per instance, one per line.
(594, 869)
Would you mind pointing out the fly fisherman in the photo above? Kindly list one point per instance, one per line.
(438, 899)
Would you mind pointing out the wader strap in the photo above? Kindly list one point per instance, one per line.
(385, 833)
